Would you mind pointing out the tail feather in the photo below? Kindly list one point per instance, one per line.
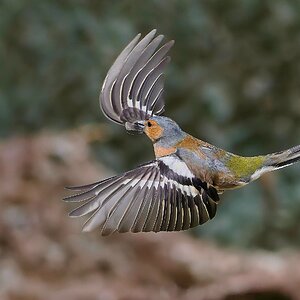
(284, 158)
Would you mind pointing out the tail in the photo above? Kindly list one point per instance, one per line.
(284, 158)
(277, 161)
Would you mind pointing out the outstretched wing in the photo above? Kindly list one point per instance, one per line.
(162, 195)
(133, 88)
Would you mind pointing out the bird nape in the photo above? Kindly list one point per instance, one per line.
(180, 188)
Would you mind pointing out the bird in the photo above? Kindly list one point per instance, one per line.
(181, 187)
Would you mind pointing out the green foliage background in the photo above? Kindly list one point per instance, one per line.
(234, 81)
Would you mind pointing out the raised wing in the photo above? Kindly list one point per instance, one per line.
(162, 195)
(133, 88)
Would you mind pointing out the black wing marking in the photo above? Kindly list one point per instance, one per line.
(162, 195)
(133, 87)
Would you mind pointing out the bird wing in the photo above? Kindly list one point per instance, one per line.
(133, 87)
(162, 195)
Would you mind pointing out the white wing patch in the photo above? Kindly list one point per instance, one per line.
(177, 166)
(187, 189)
(137, 106)
(129, 102)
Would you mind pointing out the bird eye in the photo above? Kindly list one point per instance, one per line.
(149, 124)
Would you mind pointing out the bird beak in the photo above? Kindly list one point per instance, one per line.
(136, 127)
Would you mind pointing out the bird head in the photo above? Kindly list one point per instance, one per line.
(159, 130)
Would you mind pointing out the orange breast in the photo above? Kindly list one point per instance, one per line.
(161, 151)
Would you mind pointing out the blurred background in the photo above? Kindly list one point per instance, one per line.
(234, 81)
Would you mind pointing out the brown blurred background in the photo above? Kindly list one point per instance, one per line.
(234, 81)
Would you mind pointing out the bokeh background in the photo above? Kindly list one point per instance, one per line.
(234, 81)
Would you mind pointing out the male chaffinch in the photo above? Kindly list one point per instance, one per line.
(180, 188)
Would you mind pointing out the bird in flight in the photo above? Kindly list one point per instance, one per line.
(180, 188)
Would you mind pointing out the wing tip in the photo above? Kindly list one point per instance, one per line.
(88, 226)
(86, 229)
(71, 214)
(72, 188)
(71, 198)
(153, 31)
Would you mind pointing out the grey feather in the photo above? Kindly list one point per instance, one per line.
(105, 97)
(130, 214)
(138, 64)
(141, 217)
(147, 53)
(174, 214)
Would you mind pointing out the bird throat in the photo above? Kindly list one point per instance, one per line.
(161, 151)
